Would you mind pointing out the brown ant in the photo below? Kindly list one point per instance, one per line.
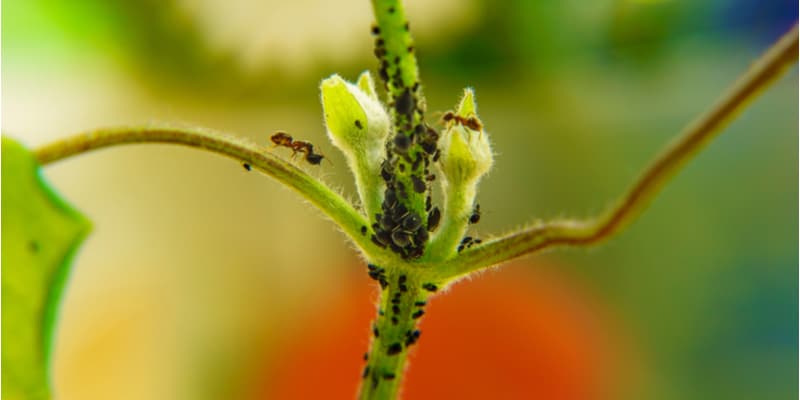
(298, 146)
(471, 122)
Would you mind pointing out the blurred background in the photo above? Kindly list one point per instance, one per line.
(203, 281)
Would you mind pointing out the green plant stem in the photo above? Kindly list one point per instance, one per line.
(694, 137)
(328, 201)
(457, 210)
(399, 309)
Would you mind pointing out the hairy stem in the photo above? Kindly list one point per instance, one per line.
(401, 305)
(255, 156)
(694, 137)
(409, 150)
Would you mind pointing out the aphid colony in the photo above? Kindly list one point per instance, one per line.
(406, 167)
(409, 335)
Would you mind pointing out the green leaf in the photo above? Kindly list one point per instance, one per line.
(40, 234)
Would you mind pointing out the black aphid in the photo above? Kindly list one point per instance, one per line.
(394, 348)
(433, 219)
(419, 184)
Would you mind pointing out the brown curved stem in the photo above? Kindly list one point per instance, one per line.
(771, 65)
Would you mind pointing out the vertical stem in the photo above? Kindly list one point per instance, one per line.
(409, 150)
(394, 330)
(457, 210)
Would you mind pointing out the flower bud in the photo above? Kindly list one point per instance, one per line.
(466, 156)
(358, 125)
(356, 120)
(466, 153)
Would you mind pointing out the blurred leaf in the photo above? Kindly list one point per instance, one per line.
(40, 234)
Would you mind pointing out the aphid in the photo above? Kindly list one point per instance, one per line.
(366, 372)
(433, 219)
(375, 331)
(246, 166)
(388, 376)
(421, 236)
(386, 170)
(394, 321)
(363, 230)
(376, 30)
(358, 125)
(401, 238)
(402, 142)
(412, 337)
(396, 309)
(430, 287)
(428, 203)
(385, 237)
(403, 287)
(412, 222)
(436, 155)
(419, 184)
(377, 242)
(476, 214)
(394, 348)
(404, 105)
(402, 279)
(429, 147)
(366, 356)
(417, 314)
(420, 303)
(417, 161)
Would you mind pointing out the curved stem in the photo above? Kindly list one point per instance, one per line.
(328, 201)
(694, 137)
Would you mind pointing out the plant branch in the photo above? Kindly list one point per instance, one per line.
(328, 201)
(694, 137)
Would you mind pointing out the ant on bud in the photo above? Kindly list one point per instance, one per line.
(281, 138)
(471, 122)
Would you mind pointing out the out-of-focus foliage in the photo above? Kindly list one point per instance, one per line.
(40, 234)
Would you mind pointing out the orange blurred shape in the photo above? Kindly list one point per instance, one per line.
(503, 335)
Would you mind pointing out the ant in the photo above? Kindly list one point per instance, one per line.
(281, 138)
(471, 122)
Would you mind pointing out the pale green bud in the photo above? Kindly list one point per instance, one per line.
(466, 156)
(466, 153)
(358, 125)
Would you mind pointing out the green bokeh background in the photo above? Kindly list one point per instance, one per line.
(193, 262)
